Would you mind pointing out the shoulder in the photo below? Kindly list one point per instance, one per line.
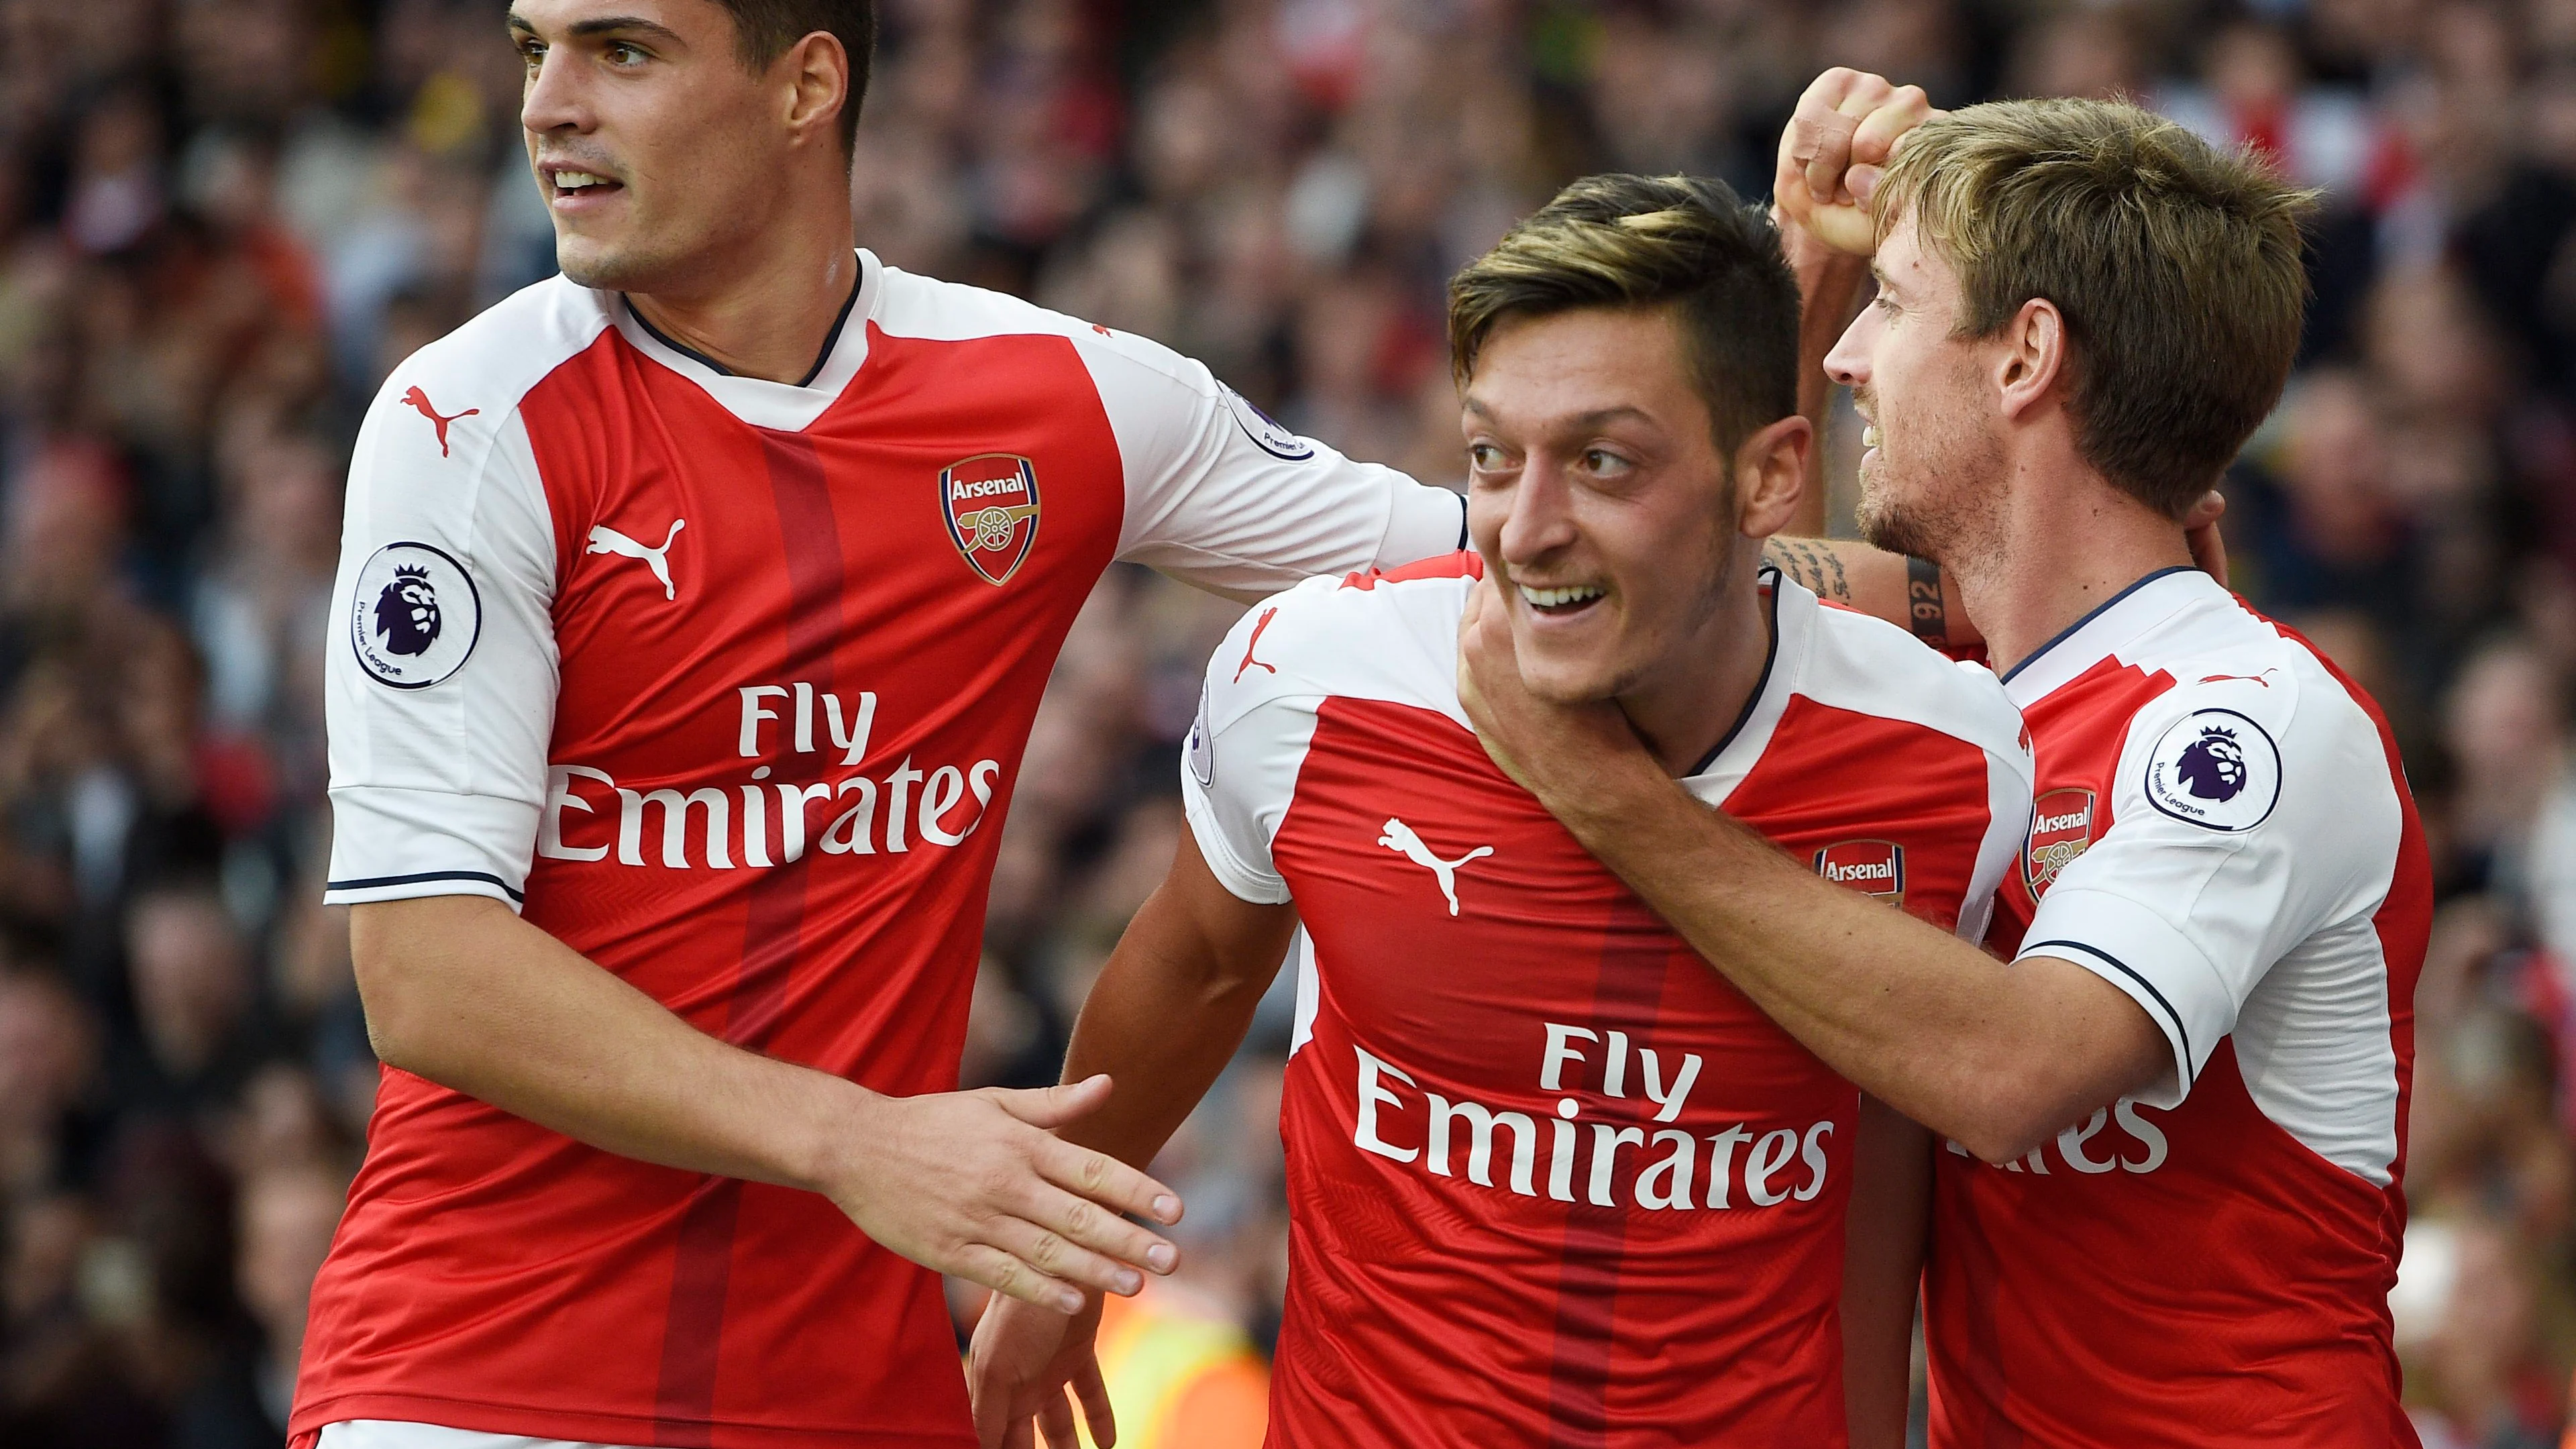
(492, 362)
(1388, 635)
(930, 310)
(2255, 721)
(1869, 666)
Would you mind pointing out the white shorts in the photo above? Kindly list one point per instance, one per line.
(395, 1434)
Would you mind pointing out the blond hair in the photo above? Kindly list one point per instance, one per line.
(2176, 266)
(1646, 242)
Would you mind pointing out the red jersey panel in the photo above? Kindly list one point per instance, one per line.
(727, 683)
(2221, 830)
(1551, 1179)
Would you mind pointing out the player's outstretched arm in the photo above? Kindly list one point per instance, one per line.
(1995, 1057)
(461, 991)
(1169, 1010)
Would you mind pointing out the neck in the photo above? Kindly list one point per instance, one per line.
(764, 307)
(2062, 542)
(1689, 702)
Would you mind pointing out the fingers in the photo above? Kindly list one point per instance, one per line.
(1107, 1181)
(1009, 1276)
(1088, 1210)
(1824, 149)
(1094, 1394)
(1053, 1107)
(1898, 112)
(1055, 1420)
(2209, 551)
(1057, 1256)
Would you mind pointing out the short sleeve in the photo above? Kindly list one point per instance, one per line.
(1220, 496)
(1239, 766)
(441, 667)
(2247, 816)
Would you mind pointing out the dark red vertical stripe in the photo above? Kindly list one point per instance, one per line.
(773, 927)
(1636, 950)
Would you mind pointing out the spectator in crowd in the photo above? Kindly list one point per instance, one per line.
(223, 221)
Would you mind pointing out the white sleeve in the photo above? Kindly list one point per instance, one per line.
(2246, 817)
(441, 673)
(2008, 793)
(1239, 768)
(1220, 496)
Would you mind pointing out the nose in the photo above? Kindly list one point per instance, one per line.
(1848, 363)
(552, 100)
(1540, 518)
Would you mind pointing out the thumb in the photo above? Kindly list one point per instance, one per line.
(2211, 508)
(1057, 1105)
(1862, 183)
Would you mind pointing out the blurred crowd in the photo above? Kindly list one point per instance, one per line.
(223, 221)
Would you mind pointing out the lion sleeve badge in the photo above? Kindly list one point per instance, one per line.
(2217, 769)
(413, 616)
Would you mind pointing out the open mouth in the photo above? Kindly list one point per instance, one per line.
(569, 184)
(1560, 602)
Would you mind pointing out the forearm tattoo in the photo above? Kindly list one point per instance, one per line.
(1923, 606)
(1817, 567)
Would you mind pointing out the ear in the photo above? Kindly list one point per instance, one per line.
(816, 71)
(1771, 475)
(2034, 354)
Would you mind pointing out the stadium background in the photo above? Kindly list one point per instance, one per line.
(222, 221)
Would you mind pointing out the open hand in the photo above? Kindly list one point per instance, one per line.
(1023, 1362)
(1846, 128)
(974, 1185)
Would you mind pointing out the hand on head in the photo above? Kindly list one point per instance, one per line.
(1846, 128)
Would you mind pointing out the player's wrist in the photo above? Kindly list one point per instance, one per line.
(1602, 802)
(820, 1152)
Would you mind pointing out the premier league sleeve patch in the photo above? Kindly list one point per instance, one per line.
(1202, 747)
(2216, 769)
(1266, 434)
(414, 616)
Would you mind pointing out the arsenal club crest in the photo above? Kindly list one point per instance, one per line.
(2061, 826)
(1872, 867)
(990, 504)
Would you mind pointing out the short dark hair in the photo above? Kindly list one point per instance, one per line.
(763, 29)
(1684, 242)
(2176, 265)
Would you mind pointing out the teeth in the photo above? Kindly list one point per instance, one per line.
(575, 180)
(1869, 436)
(1558, 598)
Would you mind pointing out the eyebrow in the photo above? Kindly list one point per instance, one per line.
(1579, 422)
(604, 25)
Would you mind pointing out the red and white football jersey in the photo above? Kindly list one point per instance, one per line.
(1551, 1179)
(2223, 832)
(725, 683)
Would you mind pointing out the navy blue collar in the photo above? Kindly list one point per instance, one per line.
(2090, 615)
(831, 339)
(1753, 701)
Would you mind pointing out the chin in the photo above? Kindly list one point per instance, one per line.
(604, 267)
(1566, 681)
(1890, 527)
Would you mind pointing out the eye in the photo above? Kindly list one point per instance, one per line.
(532, 51)
(621, 53)
(1485, 457)
(1602, 463)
